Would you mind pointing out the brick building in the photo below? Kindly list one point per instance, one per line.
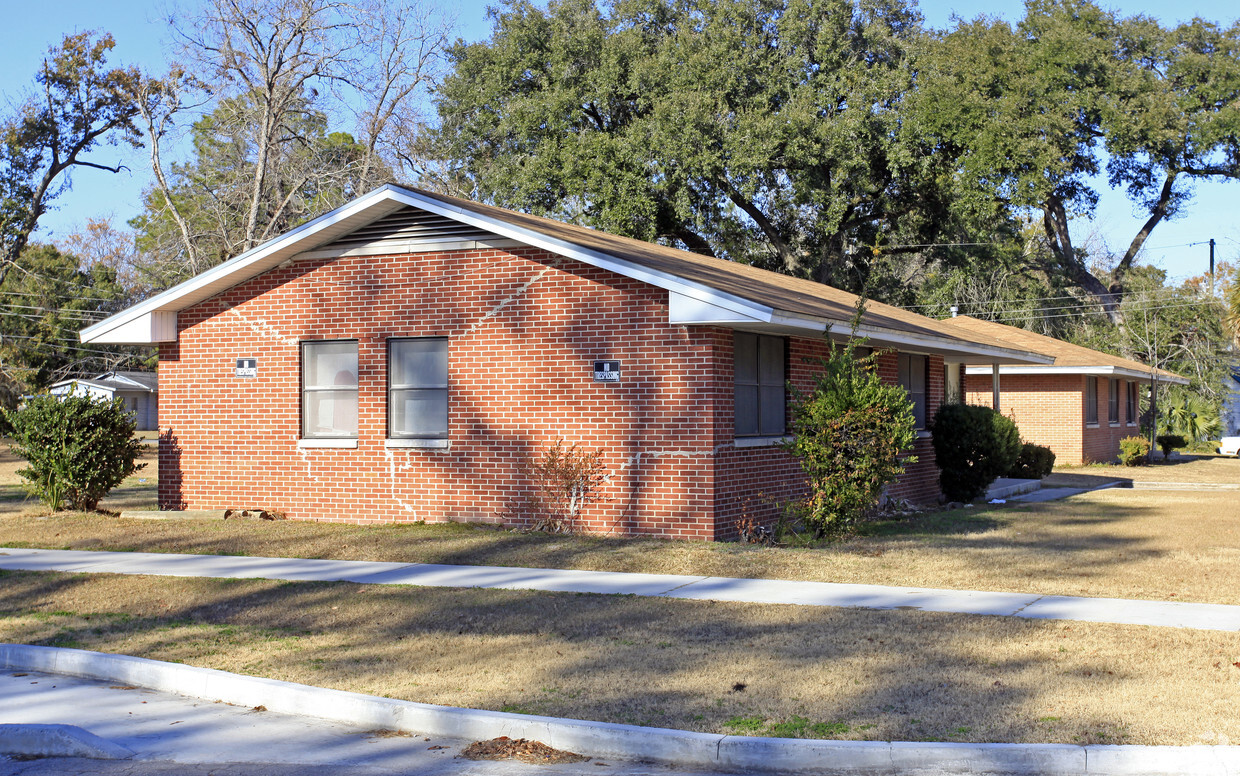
(406, 356)
(1080, 406)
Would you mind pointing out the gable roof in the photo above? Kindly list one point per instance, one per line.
(1069, 358)
(134, 382)
(143, 380)
(702, 289)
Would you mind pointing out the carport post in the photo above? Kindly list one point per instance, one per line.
(994, 381)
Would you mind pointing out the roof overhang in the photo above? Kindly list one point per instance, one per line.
(1100, 370)
(691, 311)
(690, 302)
(154, 320)
(82, 381)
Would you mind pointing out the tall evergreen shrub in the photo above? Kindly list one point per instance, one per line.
(77, 449)
(851, 434)
(973, 446)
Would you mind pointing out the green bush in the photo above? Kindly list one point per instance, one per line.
(849, 435)
(1134, 451)
(1033, 463)
(77, 449)
(973, 446)
(1169, 442)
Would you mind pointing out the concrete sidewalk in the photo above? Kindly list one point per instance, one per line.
(1028, 605)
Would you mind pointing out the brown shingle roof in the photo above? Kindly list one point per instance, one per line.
(778, 302)
(786, 294)
(1065, 353)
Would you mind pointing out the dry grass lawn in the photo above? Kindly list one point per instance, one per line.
(1175, 546)
(739, 668)
(736, 668)
(1196, 469)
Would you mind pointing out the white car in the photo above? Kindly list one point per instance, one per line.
(1230, 446)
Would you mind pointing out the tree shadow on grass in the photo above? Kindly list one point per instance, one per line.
(682, 664)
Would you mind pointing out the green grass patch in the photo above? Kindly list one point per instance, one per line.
(794, 727)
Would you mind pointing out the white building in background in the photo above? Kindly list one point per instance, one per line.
(139, 391)
(1231, 402)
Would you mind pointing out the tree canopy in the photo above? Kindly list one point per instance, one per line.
(764, 131)
(1037, 110)
(79, 103)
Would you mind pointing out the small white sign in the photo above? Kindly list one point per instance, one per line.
(247, 367)
(606, 371)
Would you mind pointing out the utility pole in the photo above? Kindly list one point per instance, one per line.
(1211, 267)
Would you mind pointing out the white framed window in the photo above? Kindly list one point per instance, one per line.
(1113, 402)
(913, 373)
(329, 389)
(760, 385)
(1133, 404)
(417, 369)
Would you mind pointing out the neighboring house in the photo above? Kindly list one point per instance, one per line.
(1080, 406)
(408, 355)
(1231, 401)
(139, 391)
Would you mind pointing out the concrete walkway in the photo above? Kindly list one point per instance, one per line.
(1028, 605)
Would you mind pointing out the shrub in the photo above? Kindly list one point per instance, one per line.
(564, 480)
(973, 446)
(849, 434)
(1169, 442)
(77, 448)
(1033, 463)
(1134, 451)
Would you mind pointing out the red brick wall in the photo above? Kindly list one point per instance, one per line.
(523, 328)
(753, 482)
(1101, 442)
(1049, 410)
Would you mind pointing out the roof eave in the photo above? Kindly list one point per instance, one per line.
(1100, 370)
(239, 269)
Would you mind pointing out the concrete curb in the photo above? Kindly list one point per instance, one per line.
(1184, 486)
(661, 745)
(58, 741)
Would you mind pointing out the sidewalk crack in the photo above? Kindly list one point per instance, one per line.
(682, 586)
(1026, 606)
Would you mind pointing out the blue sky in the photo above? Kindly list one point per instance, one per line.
(141, 33)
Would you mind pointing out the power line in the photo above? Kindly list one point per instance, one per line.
(86, 298)
(881, 248)
(66, 346)
(1031, 315)
(1145, 300)
(1030, 299)
(69, 312)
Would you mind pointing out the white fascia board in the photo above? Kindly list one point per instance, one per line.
(144, 329)
(950, 346)
(628, 269)
(236, 270)
(689, 310)
(122, 379)
(1117, 371)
